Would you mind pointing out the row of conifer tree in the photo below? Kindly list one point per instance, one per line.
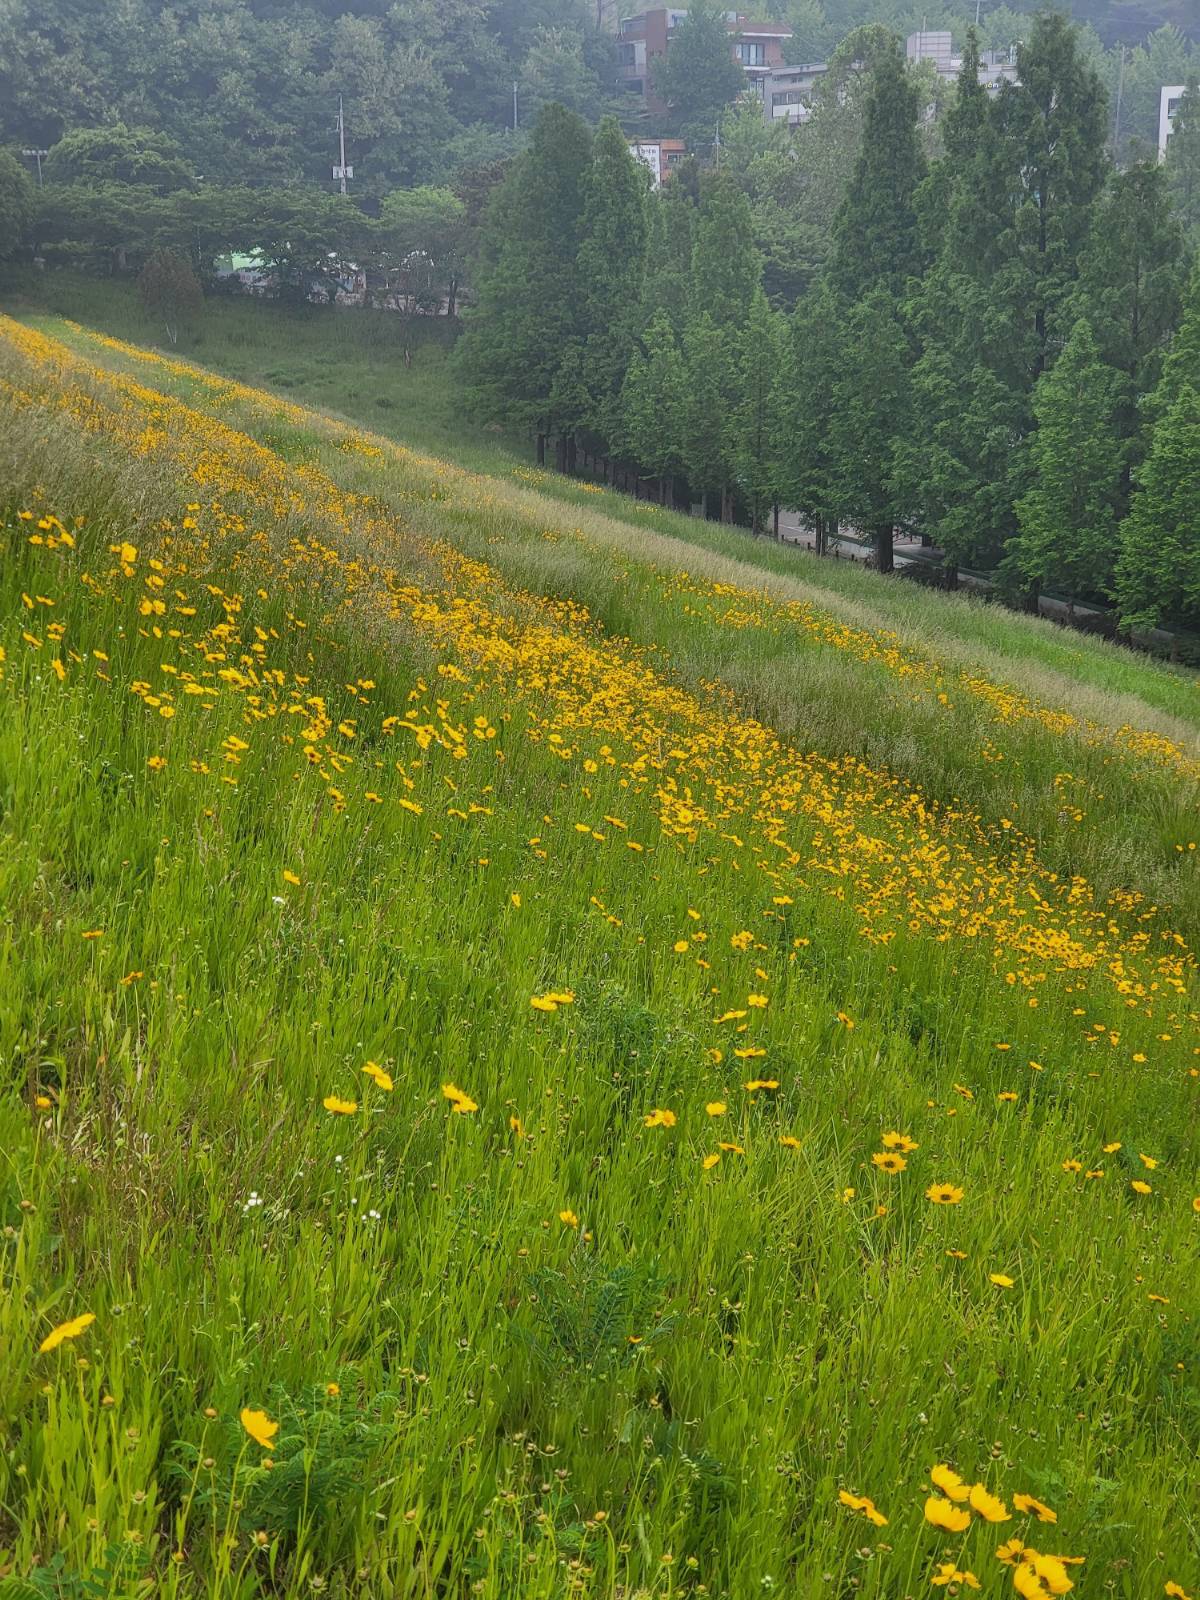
(1001, 354)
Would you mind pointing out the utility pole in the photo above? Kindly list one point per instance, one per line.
(978, 3)
(516, 122)
(341, 172)
(37, 154)
(1117, 115)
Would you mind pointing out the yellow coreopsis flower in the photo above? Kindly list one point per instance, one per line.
(945, 1478)
(940, 1513)
(1028, 1506)
(460, 1104)
(65, 1331)
(260, 1427)
(987, 1505)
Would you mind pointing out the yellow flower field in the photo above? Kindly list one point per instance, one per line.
(540, 1064)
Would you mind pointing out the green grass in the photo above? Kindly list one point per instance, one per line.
(663, 1393)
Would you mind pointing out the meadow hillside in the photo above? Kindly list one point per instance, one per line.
(550, 1049)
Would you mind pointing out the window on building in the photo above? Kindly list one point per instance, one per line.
(750, 54)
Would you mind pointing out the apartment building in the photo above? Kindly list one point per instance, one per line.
(646, 38)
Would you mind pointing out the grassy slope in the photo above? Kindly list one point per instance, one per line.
(776, 1359)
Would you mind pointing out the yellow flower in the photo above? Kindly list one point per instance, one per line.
(1147, 1161)
(340, 1108)
(940, 1513)
(716, 1108)
(42, 1102)
(1010, 1551)
(460, 1104)
(1052, 1570)
(1111, 1149)
(863, 1503)
(378, 1077)
(899, 1141)
(947, 1572)
(290, 877)
(65, 1331)
(260, 1427)
(944, 1477)
(1000, 1279)
(1176, 1592)
(661, 1119)
(789, 1141)
(1028, 1506)
(987, 1505)
(1027, 1584)
(759, 1001)
(943, 1194)
(848, 1195)
(333, 1390)
(569, 1217)
(755, 1084)
(886, 1161)
(681, 947)
(710, 1161)
(156, 763)
(1139, 1187)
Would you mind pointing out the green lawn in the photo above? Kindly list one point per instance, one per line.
(551, 1049)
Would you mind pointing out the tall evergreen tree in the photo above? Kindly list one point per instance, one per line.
(877, 240)
(1053, 126)
(1183, 161)
(962, 130)
(758, 358)
(1131, 287)
(726, 266)
(706, 355)
(959, 462)
(1158, 571)
(527, 304)
(654, 405)
(1067, 519)
(671, 240)
(1181, 364)
(804, 410)
(611, 264)
(871, 413)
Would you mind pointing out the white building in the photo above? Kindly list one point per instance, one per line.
(996, 67)
(788, 92)
(1169, 97)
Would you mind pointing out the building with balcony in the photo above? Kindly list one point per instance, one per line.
(646, 38)
(996, 67)
(788, 92)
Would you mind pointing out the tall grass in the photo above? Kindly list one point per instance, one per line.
(520, 1334)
